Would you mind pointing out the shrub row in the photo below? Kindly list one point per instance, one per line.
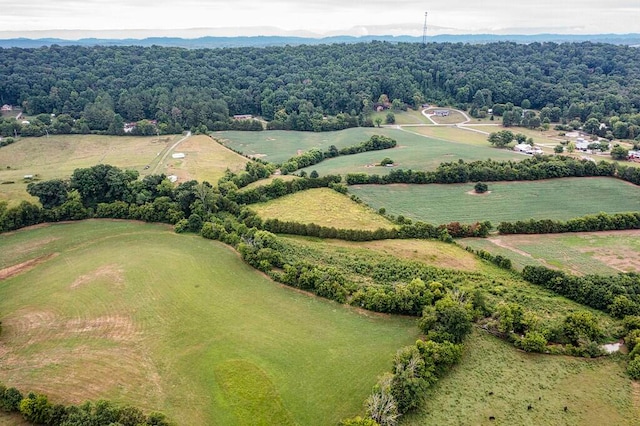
(279, 188)
(36, 409)
(501, 261)
(314, 156)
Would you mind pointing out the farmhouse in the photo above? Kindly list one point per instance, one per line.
(128, 127)
(441, 113)
(527, 149)
(6, 108)
(633, 155)
(172, 178)
(242, 117)
(178, 155)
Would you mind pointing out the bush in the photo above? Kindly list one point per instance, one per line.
(633, 369)
(480, 188)
(581, 326)
(533, 341)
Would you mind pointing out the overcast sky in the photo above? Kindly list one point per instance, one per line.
(326, 16)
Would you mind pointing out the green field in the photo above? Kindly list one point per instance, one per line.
(495, 380)
(59, 155)
(601, 253)
(323, 207)
(558, 199)
(413, 151)
(138, 314)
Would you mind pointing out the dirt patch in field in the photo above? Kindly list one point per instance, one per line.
(73, 360)
(24, 266)
(621, 258)
(477, 193)
(32, 245)
(111, 272)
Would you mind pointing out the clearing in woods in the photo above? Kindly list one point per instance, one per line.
(183, 326)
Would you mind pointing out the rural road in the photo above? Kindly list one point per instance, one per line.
(167, 151)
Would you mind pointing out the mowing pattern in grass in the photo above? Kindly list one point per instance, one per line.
(205, 160)
(58, 156)
(324, 207)
(494, 380)
(601, 253)
(413, 151)
(277, 146)
(558, 199)
(136, 313)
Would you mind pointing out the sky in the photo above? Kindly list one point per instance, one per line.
(317, 17)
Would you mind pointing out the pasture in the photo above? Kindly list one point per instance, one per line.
(138, 314)
(409, 116)
(205, 160)
(413, 151)
(602, 253)
(59, 155)
(494, 380)
(558, 199)
(323, 207)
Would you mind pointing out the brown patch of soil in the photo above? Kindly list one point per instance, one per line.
(472, 192)
(24, 266)
(112, 272)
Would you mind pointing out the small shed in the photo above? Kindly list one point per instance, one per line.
(178, 155)
(441, 113)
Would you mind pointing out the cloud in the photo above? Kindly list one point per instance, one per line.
(595, 16)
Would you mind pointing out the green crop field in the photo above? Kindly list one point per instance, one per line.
(558, 199)
(59, 155)
(138, 314)
(494, 380)
(324, 207)
(277, 146)
(413, 151)
(580, 253)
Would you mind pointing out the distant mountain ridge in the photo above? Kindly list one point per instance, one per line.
(632, 39)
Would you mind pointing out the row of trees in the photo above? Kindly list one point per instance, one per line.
(589, 223)
(618, 295)
(297, 86)
(533, 168)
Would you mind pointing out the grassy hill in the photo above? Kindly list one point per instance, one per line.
(177, 323)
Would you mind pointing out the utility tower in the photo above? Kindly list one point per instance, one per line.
(424, 30)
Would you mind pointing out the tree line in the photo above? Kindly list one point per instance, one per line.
(96, 89)
(532, 168)
(589, 223)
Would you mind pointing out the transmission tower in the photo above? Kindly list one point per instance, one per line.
(424, 30)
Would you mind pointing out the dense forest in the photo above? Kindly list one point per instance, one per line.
(296, 87)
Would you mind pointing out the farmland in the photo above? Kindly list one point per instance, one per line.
(183, 326)
(59, 155)
(580, 253)
(413, 151)
(558, 199)
(493, 380)
(323, 207)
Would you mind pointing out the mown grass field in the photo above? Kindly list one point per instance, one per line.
(580, 253)
(413, 151)
(324, 207)
(495, 380)
(277, 146)
(454, 117)
(558, 199)
(402, 117)
(138, 314)
(205, 160)
(59, 155)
